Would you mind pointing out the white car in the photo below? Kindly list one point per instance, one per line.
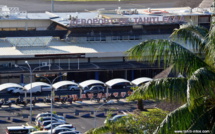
(48, 122)
(18, 91)
(11, 89)
(70, 88)
(70, 132)
(48, 114)
(20, 129)
(60, 129)
(42, 119)
(65, 126)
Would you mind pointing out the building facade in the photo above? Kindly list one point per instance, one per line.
(86, 45)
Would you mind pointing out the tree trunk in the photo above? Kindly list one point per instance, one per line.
(140, 105)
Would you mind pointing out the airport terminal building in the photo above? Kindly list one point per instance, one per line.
(86, 45)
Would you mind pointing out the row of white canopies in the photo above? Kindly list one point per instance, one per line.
(82, 85)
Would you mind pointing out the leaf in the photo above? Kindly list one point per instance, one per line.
(193, 36)
(171, 89)
(201, 83)
(166, 53)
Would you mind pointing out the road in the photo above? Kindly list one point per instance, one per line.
(44, 5)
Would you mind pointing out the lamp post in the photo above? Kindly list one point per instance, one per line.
(51, 83)
(96, 110)
(52, 6)
(31, 72)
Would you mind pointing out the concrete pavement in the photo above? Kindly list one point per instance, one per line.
(67, 104)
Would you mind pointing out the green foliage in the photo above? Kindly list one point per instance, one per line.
(54, 112)
(172, 89)
(37, 128)
(137, 123)
(196, 91)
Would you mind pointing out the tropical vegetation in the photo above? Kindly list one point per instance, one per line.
(190, 51)
(135, 123)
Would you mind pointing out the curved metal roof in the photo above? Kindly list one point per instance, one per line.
(140, 80)
(8, 85)
(35, 84)
(63, 83)
(89, 82)
(112, 82)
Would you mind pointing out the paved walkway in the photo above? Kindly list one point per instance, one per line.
(58, 104)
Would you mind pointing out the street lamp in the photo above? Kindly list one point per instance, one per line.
(31, 72)
(96, 110)
(52, 4)
(51, 83)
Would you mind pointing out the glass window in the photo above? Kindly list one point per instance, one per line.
(18, 131)
(114, 38)
(103, 38)
(97, 38)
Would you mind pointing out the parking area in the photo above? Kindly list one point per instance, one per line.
(81, 115)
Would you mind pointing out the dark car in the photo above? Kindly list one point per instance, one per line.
(95, 89)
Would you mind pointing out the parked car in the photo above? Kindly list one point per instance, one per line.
(70, 132)
(46, 88)
(60, 129)
(53, 125)
(95, 89)
(69, 87)
(73, 88)
(42, 119)
(115, 118)
(48, 122)
(65, 125)
(39, 132)
(36, 90)
(11, 89)
(20, 129)
(48, 114)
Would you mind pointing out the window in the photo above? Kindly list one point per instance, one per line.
(18, 131)
(103, 38)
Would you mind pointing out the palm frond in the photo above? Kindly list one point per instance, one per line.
(171, 89)
(168, 53)
(213, 129)
(210, 47)
(191, 35)
(204, 121)
(102, 130)
(183, 119)
(201, 83)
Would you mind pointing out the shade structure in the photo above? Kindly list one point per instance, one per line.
(112, 82)
(8, 85)
(140, 80)
(35, 84)
(89, 82)
(63, 83)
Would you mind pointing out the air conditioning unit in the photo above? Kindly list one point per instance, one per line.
(44, 63)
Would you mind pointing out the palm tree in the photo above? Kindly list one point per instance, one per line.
(191, 51)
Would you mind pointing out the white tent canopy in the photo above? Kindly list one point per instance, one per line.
(140, 80)
(90, 82)
(63, 83)
(35, 84)
(112, 82)
(8, 85)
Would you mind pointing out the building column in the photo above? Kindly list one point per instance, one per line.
(21, 78)
(132, 74)
(126, 75)
(97, 75)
